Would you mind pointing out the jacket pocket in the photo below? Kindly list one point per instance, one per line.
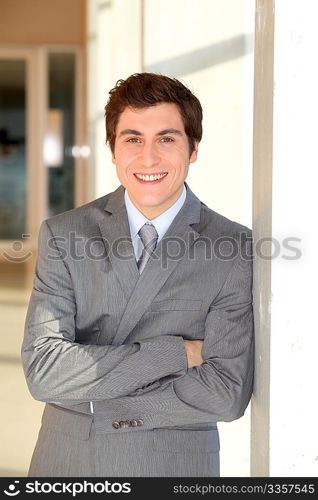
(186, 441)
(176, 305)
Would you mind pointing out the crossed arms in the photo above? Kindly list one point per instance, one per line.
(58, 369)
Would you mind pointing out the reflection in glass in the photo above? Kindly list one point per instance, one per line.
(12, 149)
(60, 132)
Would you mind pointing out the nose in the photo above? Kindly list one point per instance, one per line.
(149, 156)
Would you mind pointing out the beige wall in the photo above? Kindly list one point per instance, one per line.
(42, 21)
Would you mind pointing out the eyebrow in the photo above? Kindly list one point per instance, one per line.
(170, 131)
(130, 131)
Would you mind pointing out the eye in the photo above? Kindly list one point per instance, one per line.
(133, 140)
(166, 139)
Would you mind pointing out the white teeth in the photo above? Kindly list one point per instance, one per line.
(152, 177)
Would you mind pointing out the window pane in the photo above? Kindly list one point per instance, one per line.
(60, 135)
(12, 149)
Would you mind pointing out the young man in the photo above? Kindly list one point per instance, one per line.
(139, 332)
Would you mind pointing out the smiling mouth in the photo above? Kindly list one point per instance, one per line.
(151, 177)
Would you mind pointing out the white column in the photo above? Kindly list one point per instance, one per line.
(284, 407)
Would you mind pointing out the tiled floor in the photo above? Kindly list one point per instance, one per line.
(21, 415)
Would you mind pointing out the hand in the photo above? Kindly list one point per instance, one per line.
(193, 350)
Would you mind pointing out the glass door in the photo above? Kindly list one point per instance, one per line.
(42, 158)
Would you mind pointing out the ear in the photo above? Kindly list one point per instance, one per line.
(194, 153)
(113, 159)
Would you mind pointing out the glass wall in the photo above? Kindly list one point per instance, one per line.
(12, 148)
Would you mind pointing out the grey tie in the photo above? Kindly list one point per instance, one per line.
(148, 236)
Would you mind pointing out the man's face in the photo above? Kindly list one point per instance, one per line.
(151, 155)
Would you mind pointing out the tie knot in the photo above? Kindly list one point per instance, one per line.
(148, 235)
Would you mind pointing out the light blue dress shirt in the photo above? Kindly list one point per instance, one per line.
(136, 220)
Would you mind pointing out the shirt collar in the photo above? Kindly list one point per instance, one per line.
(136, 219)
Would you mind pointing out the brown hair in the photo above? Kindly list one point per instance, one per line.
(141, 90)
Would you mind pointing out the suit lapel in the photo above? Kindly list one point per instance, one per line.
(116, 237)
(181, 235)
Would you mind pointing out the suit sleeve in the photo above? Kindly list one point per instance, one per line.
(220, 388)
(57, 369)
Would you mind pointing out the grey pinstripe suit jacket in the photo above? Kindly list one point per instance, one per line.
(97, 331)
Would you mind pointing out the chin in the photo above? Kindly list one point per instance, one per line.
(150, 201)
